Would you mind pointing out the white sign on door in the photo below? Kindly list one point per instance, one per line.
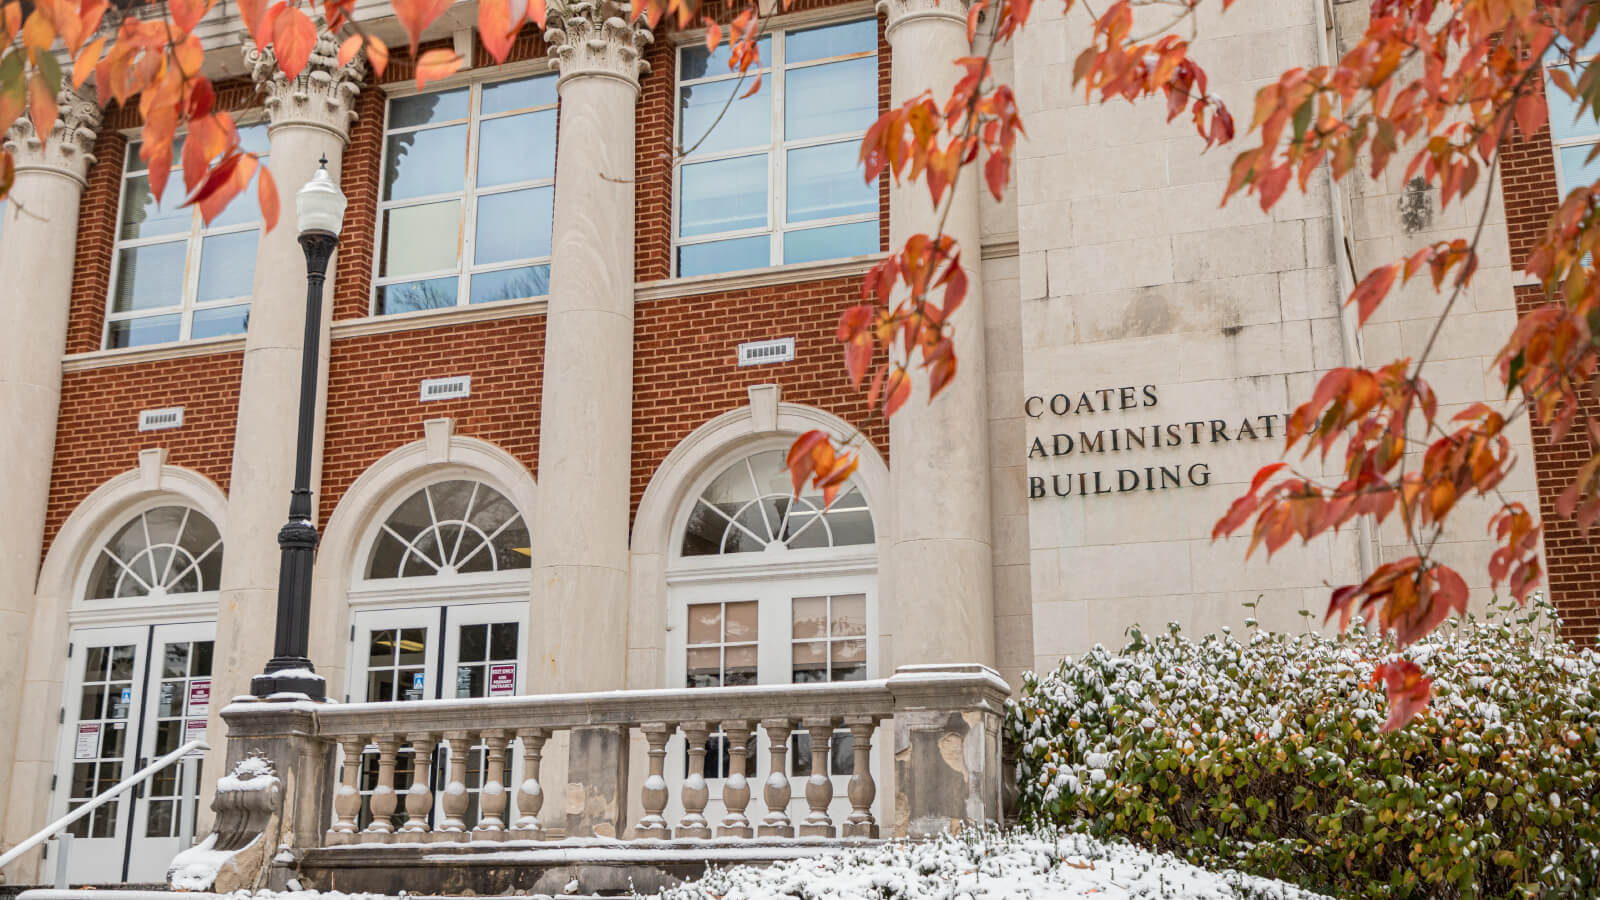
(88, 746)
(200, 697)
(194, 730)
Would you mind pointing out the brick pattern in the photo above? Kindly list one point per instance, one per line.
(98, 437)
(686, 372)
(1531, 197)
(372, 394)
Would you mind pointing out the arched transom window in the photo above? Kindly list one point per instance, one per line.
(161, 551)
(449, 528)
(751, 506)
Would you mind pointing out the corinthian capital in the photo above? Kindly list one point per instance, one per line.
(323, 94)
(68, 151)
(594, 37)
(899, 12)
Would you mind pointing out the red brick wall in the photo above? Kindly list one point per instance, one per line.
(98, 437)
(1531, 196)
(372, 394)
(685, 367)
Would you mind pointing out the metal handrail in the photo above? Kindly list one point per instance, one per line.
(136, 778)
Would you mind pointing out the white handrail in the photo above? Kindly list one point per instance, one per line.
(137, 777)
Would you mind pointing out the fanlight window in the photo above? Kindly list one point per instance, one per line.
(751, 506)
(448, 528)
(162, 551)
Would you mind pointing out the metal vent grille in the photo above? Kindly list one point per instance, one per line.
(446, 388)
(759, 353)
(158, 419)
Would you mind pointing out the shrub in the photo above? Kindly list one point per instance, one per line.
(1265, 755)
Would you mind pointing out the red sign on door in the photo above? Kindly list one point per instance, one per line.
(200, 697)
(502, 679)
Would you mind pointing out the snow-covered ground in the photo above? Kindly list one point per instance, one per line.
(1017, 866)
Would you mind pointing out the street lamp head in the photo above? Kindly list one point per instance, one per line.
(319, 205)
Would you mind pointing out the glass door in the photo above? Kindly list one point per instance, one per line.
(176, 699)
(105, 668)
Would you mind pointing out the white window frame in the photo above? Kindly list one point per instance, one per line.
(198, 232)
(138, 610)
(469, 193)
(1557, 145)
(776, 148)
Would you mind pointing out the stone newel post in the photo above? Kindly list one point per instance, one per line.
(940, 561)
(309, 117)
(580, 535)
(36, 255)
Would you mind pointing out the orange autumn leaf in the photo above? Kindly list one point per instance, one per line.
(437, 63)
(416, 15)
(267, 198)
(293, 37)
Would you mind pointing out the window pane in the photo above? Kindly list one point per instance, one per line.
(810, 617)
(810, 662)
(704, 669)
(740, 665)
(1575, 171)
(741, 622)
(746, 123)
(380, 652)
(149, 277)
(831, 40)
(420, 163)
(841, 753)
(253, 138)
(849, 615)
(142, 216)
(724, 195)
(139, 332)
(438, 106)
(514, 225)
(830, 99)
(421, 239)
(122, 662)
(725, 256)
(411, 646)
(1569, 118)
(227, 263)
(832, 242)
(503, 641)
(221, 321)
(504, 96)
(517, 148)
(697, 63)
(242, 209)
(474, 643)
(705, 623)
(510, 284)
(174, 663)
(825, 182)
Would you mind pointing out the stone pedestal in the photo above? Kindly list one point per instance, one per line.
(947, 722)
(597, 782)
(36, 258)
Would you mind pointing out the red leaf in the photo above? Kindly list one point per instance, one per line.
(1372, 289)
(1530, 112)
(897, 390)
(225, 181)
(84, 65)
(267, 196)
(1408, 690)
(186, 14)
(997, 172)
(713, 34)
(440, 62)
(495, 27)
(754, 86)
(293, 36)
(42, 107)
(1263, 474)
(537, 12)
(800, 462)
(253, 12)
(416, 15)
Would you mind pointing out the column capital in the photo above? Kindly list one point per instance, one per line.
(68, 151)
(595, 37)
(323, 94)
(899, 12)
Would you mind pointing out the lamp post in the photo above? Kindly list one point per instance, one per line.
(319, 208)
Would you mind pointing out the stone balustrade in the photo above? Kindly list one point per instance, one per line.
(944, 723)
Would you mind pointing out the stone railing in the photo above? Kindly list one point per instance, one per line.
(945, 723)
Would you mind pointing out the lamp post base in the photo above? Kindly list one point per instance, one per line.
(287, 677)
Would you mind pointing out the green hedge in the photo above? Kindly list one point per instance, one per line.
(1265, 755)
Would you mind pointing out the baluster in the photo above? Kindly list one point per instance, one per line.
(453, 827)
(654, 824)
(347, 799)
(419, 797)
(863, 789)
(735, 789)
(530, 796)
(819, 787)
(695, 794)
(492, 796)
(776, 792)
(383, 800)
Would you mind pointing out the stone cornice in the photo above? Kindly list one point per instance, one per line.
(321, 96)
(68, 151)
(595, 38)
(899, 12)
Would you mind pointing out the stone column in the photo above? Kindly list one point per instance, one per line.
(580, 534)
(309, 118)
(37, 249)
(940, 558)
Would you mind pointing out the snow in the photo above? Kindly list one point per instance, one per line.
(196, 868)
(1042, 865)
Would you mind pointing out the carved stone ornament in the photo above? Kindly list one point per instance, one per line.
(233, 854)
(322, 96)
(596, 38)
(899, 12)
(68, 151)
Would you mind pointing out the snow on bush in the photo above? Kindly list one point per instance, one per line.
(1042, 864)
(1265, 755)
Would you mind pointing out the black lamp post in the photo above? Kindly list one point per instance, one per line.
(319, 209)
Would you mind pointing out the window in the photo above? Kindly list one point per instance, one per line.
(830, 638)
(185, 678)
(177, 278)
(722, 644)
(106, 692)
(751, 506)
(468, 195)
(162, 551)
(448, 528)
(1573, 129)
(773, 178)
